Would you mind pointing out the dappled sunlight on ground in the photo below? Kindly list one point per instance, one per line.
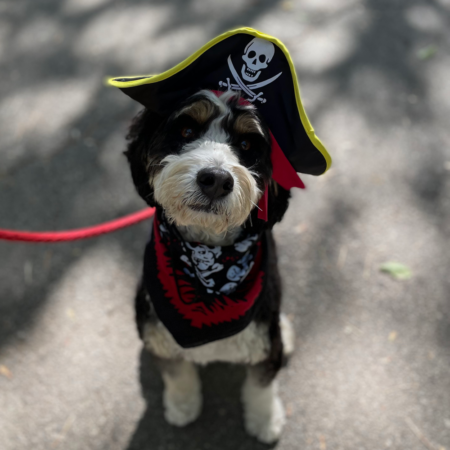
(371, 366)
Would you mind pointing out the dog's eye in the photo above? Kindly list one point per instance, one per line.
(245, 145)
(187, 132)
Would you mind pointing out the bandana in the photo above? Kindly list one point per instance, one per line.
(199, 292)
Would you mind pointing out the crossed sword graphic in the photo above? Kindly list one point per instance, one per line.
(246, 88)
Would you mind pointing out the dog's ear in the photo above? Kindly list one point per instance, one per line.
(277, 203)
(141, 140)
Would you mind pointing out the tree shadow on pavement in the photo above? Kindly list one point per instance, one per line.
(73, 186)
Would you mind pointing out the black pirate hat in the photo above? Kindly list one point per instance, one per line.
(261, 68)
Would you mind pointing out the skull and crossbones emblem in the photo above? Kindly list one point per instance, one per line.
(204, 260)
(257, 55)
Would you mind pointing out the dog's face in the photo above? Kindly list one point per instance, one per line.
(206, 164)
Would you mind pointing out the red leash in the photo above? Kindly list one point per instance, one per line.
(82, 233)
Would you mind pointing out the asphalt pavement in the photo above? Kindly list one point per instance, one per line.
(371, 367)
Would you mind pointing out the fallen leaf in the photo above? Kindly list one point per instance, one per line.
(427, 52)
(5, 372)
(287, 5)
(300, 228)
(289, 410)
(392, 336)
(397, 270)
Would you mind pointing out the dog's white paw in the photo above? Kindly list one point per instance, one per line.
(266, 426)
(181, 408)
(182, 396)
(263, 409)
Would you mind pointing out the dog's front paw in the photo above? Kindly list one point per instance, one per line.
(182, 408)
(266, 425)
(263, 409)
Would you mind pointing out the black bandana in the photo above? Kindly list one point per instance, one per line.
(203, 293)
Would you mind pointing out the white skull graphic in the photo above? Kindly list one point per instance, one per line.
(257, 56)
(203, 256)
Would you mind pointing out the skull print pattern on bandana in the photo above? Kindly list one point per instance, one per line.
(203, 293)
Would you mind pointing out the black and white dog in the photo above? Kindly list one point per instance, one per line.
(205, 167)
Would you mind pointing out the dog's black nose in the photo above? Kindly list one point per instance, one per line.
(215, 183)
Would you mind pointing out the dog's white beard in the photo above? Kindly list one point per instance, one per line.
(175, 188)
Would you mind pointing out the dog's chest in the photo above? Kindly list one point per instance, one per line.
(249, 346)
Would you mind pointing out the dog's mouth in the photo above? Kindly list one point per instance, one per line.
(204, 208)
(250, 74)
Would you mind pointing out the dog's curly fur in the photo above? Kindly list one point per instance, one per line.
(165, 154)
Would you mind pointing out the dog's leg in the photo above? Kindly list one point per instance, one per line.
(287, 336)
(182, 395)
(263, 409)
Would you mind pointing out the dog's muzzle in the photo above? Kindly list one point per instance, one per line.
(215, 183)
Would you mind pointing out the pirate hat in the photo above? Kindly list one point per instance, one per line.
(261, 68)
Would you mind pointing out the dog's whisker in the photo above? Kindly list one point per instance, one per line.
(254, 204)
